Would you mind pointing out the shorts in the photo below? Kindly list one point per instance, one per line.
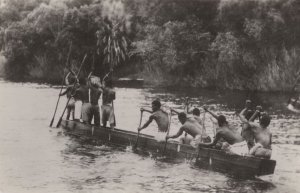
(89, 112)
(199, 139)
(259, 151)
(71, 104)
(238, 148)
(160, 136)
(78, 106)
(108, 114)
(85, 112)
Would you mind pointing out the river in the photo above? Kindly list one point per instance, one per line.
(37, 158)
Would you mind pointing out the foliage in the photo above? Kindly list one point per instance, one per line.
(249, 44)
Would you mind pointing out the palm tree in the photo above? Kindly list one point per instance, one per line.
(113, 43)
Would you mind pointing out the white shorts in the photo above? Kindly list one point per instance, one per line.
(239, 148)
(160, 137)
(78, 106)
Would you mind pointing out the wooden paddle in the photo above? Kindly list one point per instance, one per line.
(168, 131)
(60, 119)
(138, 135)
(62, 85)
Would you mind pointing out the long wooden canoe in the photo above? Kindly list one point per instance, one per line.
(207, 158)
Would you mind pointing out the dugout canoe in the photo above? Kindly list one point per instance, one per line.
(207, 158)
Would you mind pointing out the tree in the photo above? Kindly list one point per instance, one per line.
(113, 43)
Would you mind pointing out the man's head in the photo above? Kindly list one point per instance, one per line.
(222, 120)
(265, 120)
(196, 111)
(156, 105)
(72, 80)
(182, 117)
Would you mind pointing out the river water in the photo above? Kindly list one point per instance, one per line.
(37, 158)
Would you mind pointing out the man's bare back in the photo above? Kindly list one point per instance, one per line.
(192, 127)
(162, 120)
(262, 135)
(229, 134)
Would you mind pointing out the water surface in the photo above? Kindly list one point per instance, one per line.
(36, 158)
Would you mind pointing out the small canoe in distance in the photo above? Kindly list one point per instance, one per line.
(207, 158)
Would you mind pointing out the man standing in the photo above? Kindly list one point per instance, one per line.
(262, 135)
(192, 127)
(246, 132)
(70, 81)
(161, 118)
(234, 141)
(94, 110)
(109, 95)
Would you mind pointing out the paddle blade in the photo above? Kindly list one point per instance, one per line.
(58, 123)
(51, 123)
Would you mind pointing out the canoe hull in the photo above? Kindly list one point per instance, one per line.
(205, 157)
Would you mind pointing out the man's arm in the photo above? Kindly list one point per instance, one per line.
(63, 93)
(146, 110)
(213, 114)
(217, 138)
(174, 111)
(146, 124)
(177, 134)
(242, 116)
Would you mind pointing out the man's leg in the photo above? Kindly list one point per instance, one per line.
(68, 113)
(86, 112)
(96, 113)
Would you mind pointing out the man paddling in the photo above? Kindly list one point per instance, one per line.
(262, 135)
(109, 95)
(234, 142)
(192, 127)
(160, 117)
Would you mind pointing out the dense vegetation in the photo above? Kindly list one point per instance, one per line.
(249, 44)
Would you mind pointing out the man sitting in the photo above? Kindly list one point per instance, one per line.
(195, 116)
(262, 135)
(161, 118)
(234, 142)
(191, 127)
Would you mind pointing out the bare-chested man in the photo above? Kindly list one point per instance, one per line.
(109, 95)
(262, 135)
(192, 127)
(246, 132)
(160, 117)
(236, 143)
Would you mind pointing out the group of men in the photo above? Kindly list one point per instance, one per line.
(254, 139)
(83, 96)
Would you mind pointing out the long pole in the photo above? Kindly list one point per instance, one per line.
(138, 135)
(62, 85)
(60, 119)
